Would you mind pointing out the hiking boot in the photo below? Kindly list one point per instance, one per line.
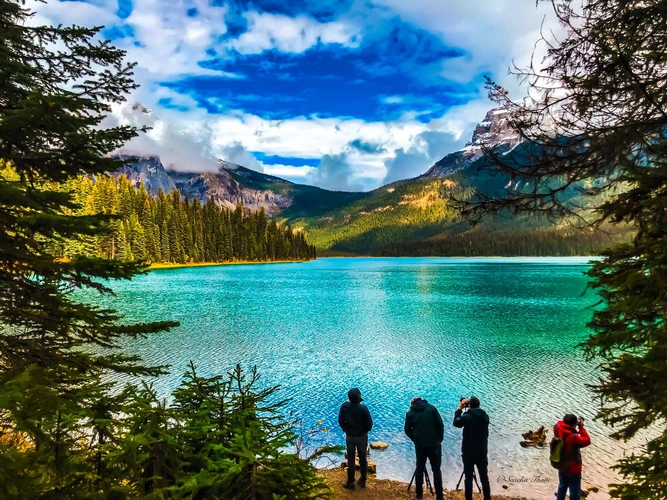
(348, 486)
(361, 483)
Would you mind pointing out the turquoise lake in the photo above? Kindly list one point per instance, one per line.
(504, 329)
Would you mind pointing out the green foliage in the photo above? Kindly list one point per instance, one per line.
(65, 431)
(417, 218)
(168, 229)
(596, 124)
(56, 84)
(222, 437)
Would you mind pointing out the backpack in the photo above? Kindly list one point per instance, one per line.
(558, 457)
(556, 448)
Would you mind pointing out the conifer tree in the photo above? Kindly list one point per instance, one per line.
(56, 86)
(595, 124)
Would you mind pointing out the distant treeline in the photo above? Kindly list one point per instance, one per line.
(510, 243)
(173, 229)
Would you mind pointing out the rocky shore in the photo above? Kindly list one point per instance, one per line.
(387, 489)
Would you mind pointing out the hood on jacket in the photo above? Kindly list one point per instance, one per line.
(354, 395)
(562, 429)
(418, 404)
(479, 413)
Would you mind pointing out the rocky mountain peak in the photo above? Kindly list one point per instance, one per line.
(494, 130)
(229, 186)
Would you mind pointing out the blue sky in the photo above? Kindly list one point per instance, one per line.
(344, 94)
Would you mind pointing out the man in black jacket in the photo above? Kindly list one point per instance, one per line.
(474, 446)
(356, 422)
(424, 427)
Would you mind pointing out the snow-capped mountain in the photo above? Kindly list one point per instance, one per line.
(493, 132)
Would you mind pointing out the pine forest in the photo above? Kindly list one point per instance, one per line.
(170, 228)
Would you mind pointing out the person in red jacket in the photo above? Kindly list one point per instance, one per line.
(574, 437)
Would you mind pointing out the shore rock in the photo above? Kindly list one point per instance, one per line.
(379, 445)
(372, 467)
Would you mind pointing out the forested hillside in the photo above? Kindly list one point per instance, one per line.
(173, 229)
(417, 218)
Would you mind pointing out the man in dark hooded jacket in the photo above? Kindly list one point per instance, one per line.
(424, 427)
(474, 446)
(356, 422)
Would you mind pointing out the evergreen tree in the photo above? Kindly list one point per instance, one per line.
(56, 85)
(235, 439)
(596, 123)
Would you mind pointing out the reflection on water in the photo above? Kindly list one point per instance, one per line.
(503, 329)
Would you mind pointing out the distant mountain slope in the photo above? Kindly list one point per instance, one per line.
(409, 217)
(494, 130)
(232, 185)
(414, 217)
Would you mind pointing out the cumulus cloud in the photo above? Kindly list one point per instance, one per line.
(170, 40)
(493, 33)
(366, 147)
(158, 35)
(178, 148)
(335, 173)
(428, 147)
(292, 35)
(238, 154)
(300, 175)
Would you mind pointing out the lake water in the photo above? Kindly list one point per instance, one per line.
(503, 329)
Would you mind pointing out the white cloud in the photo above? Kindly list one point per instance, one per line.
(300, 175)
(167, 44)
(294, 35)
(179, 148)
(238, 154)
(428, 147)
(493, 33)
(336, 173)
(196, 140)
(68, 13)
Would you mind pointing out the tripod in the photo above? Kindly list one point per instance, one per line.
(427, 480)
(474, 477)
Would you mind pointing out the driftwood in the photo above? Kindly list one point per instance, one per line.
(534, 438)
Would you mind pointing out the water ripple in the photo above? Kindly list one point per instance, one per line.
(503, 329)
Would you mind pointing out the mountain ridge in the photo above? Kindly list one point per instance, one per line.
(234, 184)
(406, 217)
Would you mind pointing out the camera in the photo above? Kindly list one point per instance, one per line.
(467, 403)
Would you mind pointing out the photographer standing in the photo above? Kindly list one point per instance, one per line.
(574, 436)
(424, 427)
(356, 422)
(475, 424)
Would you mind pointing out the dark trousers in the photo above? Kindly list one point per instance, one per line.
(358, 444)
(571, 482)
(434, 455)
(482, 464)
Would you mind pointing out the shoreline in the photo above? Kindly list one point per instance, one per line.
(159, 266)
(152, 267)
(391, 489)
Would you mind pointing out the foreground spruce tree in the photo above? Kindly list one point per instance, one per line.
(596, 126)
(56, 85)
